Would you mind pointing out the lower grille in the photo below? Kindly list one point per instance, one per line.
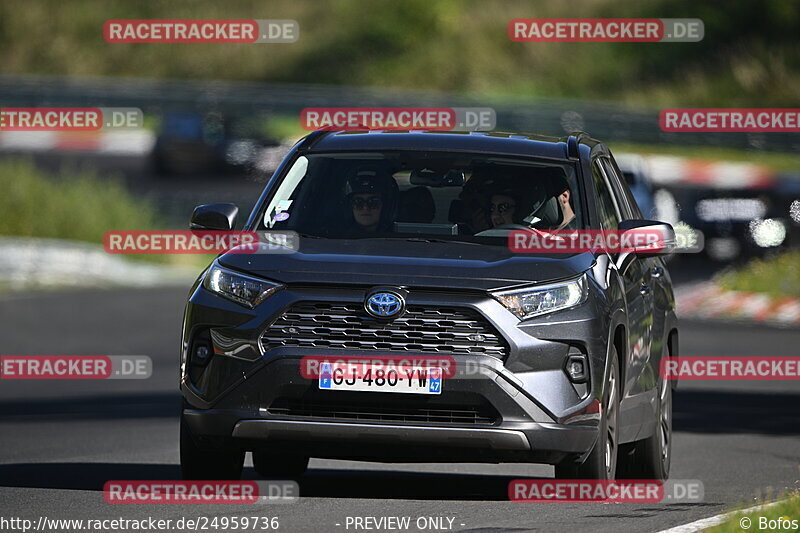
(446, 330)
(472, 415)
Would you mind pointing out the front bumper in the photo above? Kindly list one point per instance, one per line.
(507, 426)
(520, 409)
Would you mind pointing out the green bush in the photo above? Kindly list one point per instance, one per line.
(778, 276)
(77, 205)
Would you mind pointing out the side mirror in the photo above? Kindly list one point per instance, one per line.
(214, 217)
(658, 238)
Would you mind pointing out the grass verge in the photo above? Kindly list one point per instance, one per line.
(776, 161)
(284, 128)
(777, 276)
(76, 205)
(784, 516)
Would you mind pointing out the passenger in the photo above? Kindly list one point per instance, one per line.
(502, 208)
(474, 204)
(372, 198)
(559, 188)
(543, 202)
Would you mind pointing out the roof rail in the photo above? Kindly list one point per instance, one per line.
(315, 136)
(312, 138)
(573, 141)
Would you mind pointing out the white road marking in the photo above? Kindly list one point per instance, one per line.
(705, 523)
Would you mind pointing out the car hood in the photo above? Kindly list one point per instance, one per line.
(409, 263)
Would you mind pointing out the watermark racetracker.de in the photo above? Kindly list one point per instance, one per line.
(184, 31)
(70, 118)
(172, 492)
(606, 30)
(730, 120)
(745, 368)
(637, 241)
(399, 118)
(75, 367)
(200, 242)
(614, 491)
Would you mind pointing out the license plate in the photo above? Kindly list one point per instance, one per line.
(375, 378)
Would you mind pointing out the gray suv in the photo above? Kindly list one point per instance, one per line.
(405, 328)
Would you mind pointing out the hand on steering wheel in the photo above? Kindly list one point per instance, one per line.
(498, 231)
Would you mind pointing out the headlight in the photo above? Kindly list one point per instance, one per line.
(242, 289)
(535, 301)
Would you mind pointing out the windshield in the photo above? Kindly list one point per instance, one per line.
(410, 194)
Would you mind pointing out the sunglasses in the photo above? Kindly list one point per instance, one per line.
(371, 203)
(501, 208)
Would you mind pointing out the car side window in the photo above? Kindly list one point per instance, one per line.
(609, 217)
(627, 204)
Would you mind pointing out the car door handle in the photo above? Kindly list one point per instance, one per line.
(657, 272)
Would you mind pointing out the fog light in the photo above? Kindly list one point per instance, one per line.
(201, 354)
(577, 368)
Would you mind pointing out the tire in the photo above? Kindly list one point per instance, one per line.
(273, 465)
(650, 458)
(201, 464)
(602, 461)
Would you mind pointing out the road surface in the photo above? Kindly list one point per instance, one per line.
(62, 440)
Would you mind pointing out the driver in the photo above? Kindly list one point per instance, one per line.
(559, 189)
(372, 195)
(544, 202)
(502, 208)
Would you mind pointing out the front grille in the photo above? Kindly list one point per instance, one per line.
(446, 330)
(470, 415)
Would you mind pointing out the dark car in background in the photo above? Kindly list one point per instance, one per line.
(737, 223)
(404, 253)
(194, 142)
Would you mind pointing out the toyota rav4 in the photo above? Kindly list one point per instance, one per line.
(403, 327)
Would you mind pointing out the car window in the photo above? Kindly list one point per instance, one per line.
(631, 178)
(449, 196)
(609, 218)
(627, 204)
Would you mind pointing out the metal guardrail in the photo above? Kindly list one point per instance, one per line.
(610, 122)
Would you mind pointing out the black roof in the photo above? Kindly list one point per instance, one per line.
(479, 142)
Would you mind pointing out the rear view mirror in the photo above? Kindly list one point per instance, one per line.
(659, 237)
(437, 178)
(214, 217)
(454, 178)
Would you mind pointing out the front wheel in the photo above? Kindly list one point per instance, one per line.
(197, 463)
(602, 461)
(650, 458)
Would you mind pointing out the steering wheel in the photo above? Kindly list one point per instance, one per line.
(512, 226)
(497, 232)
